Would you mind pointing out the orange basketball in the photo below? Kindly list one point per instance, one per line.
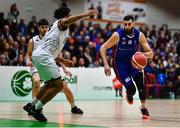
(139, 60)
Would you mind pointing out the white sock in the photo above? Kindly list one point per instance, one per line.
(35, 100)
(72, 105)
(38, 105)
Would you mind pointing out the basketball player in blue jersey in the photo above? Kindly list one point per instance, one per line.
(45, 56)
(128, 39)
(43, 27)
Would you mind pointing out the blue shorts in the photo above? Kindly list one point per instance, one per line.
(125, 72)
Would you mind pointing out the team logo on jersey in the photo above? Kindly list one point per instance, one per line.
(21, 83)
(127, 79)
(123, 40)
(129, 42)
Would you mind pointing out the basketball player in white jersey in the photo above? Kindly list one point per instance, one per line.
(43, 27)
(44, 57)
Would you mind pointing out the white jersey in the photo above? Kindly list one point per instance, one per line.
(36, 42)
(53, 42)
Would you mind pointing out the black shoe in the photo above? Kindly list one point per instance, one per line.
(30, 114)
(28, 108)
(38, 114)
(129, 99)
(76, 110)
(145, 113)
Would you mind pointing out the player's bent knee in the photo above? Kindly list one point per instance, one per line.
(58, 84)
(131, 90)
(138, 78)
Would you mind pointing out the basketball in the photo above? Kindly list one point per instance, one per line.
(139, 60)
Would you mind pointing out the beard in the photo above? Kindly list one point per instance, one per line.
(43, 33)
(128, 31)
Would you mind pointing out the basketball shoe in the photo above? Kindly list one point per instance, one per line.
(37, 114)
(28, 108)
(129, 99)
(145, 113)
(76, 110)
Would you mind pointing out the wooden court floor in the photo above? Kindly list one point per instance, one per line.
(116, 113)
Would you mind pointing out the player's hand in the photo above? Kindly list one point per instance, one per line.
(67, 72)
(137, 53)
(91, 12)
(68, 63)
(29, 63)
(107, 70)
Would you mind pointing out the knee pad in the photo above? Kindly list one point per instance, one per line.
(131, 90)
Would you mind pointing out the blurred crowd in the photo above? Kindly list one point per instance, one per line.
(83, 46)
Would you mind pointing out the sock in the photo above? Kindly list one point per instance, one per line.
(35, 100)
(38, 105)
(143, 105)
(72, 105)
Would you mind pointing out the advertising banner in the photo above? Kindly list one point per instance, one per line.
(117, 9)
(85, 84)
(15, 83)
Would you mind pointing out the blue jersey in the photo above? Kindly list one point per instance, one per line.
(124, 51)
(126, 46)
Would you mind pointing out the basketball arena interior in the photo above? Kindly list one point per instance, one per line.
(102, 98)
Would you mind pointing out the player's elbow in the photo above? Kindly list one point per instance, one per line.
(102, 49)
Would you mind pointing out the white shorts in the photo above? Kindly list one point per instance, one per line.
(47, 68)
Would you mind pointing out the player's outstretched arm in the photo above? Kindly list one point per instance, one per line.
(71, 19)
(113, 40)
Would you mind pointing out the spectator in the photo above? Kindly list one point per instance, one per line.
(81, 62)
(176, 83)
(95, 64)
(32, 28)
(21, 61)
(23, 44)
(13, 14)
(80, 51)
(15, 48)
(88, 57)
(74, 60)
(6, 31)
(3, 21)
(91, 7)
(66, 55)
(4, 60)
(22, 27)
(100, 10)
